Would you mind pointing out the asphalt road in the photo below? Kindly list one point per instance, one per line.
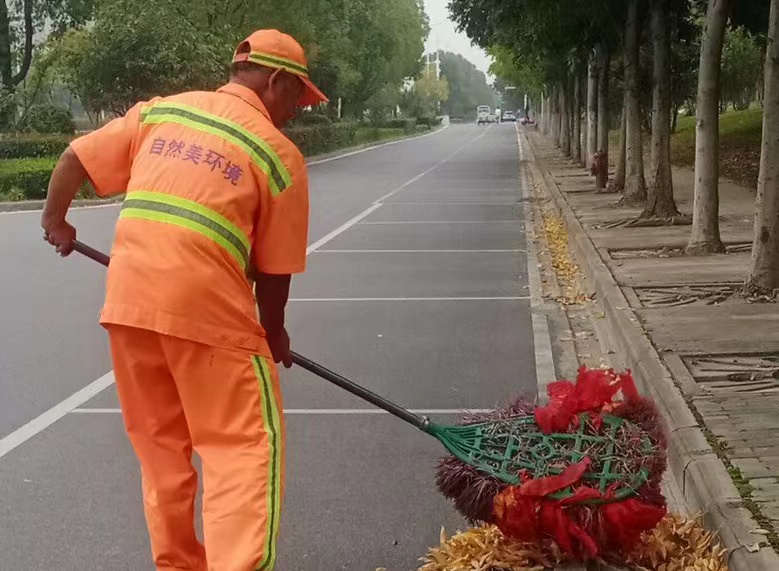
(416, 288)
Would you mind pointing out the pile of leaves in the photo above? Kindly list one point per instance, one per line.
(567, 271)
(676, 544)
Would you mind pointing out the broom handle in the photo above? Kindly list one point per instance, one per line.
(404, 414)
(90, 252)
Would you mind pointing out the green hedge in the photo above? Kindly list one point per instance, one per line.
(429, 121)
(317, 139)
(32, 146)
(28, 179)
(47, 119)
(408, 125)
(26, 161)
(307, 119)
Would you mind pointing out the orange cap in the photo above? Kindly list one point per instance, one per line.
(271, 48)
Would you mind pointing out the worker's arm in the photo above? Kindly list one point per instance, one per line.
(272, 293)
(65, 181)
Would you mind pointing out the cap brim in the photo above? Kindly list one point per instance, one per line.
(312, 95)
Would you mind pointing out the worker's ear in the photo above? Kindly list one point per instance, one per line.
(276, 80)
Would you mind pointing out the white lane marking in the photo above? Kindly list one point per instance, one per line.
(435, 166)
(311, 163)
(502, 204)
(334, 299)
(413, 251)
(321, 411)
(374, 147)
(377, 203)
(36, 425)
(542, 343)
(441, 222)
(27, 431)
(450, 203)
(342, 228)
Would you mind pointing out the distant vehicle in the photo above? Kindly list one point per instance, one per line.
(508, 116)
(484, 114)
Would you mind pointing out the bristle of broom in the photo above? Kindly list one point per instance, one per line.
(471, 491)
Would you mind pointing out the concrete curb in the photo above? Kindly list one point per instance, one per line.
(27, 205)
(542, 344)
(700, 474)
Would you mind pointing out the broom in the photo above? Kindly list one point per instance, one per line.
(581, 451)
(486, 446)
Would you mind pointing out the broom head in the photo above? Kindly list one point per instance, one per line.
(583, 470)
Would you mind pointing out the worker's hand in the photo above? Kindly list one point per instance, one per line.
(278, 341)
(61, 235)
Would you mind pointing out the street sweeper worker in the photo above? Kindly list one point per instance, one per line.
(216, 203)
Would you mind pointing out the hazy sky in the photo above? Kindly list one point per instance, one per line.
(444, 36)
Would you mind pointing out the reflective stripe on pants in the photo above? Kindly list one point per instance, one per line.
(178, 395)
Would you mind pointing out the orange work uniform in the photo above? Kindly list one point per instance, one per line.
(212, 188)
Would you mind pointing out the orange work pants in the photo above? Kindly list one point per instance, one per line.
(177, 395)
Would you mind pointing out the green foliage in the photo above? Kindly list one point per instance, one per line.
(46, 119)
(467, 86)
(312, 119)
(32, 146)
(741, 68)
(426, 94)
(367, 135)
(316, 139)
(46, 17)
(26, 178)
(134, 51)
(407, 125)
(7, 108)
(740, 140)
(428, 121)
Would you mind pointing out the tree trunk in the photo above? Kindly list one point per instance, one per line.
(547, 115)
(592, 108)
(635, 187)
(660, 195)
(554, 106)
(618, 182)
(705, 237)
(576, 133)
(542, 119)
(565, 119)
(583, 119)
(27, 55)
(764, 273)
(5, 47)
(602, 144)
(674, 117)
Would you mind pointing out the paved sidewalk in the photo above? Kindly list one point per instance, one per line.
(710, 347)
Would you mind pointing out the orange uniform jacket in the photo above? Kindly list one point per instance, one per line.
(212, 188)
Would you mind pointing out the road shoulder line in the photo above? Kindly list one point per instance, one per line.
(542, 343)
